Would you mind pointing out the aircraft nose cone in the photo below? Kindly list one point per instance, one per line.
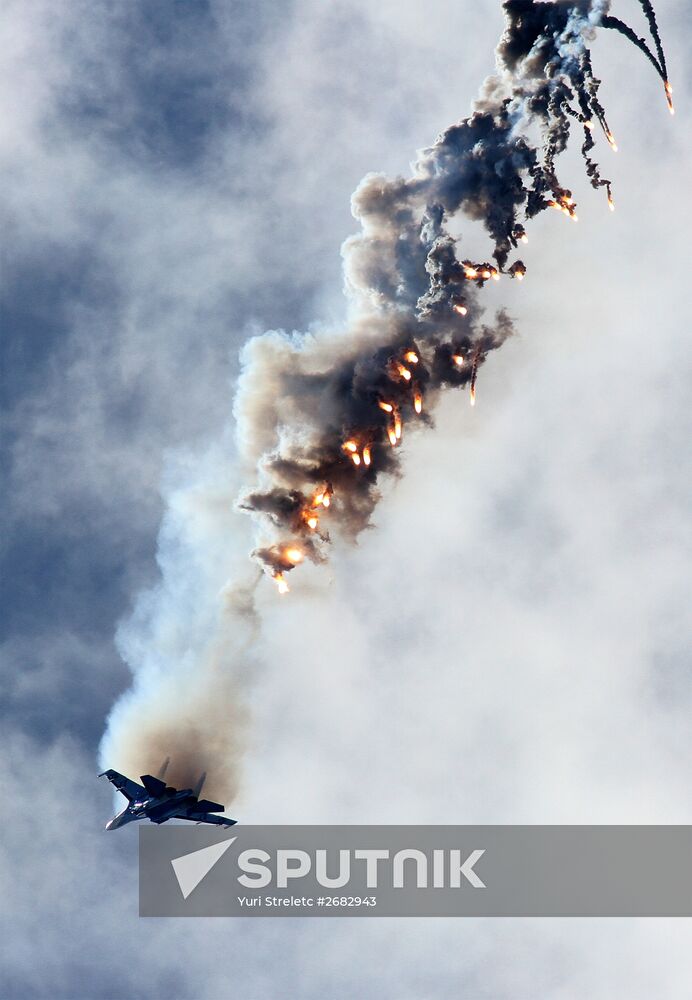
(112, 823)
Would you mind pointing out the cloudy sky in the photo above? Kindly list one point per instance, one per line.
(509, 644)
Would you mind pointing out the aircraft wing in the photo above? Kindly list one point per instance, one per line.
(204, 805)
(130, 789)
(204, 817)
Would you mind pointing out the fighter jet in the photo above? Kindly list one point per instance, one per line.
(157, 801)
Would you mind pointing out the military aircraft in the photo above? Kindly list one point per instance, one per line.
(157, 801)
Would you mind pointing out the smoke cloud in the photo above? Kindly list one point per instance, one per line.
(320, 418)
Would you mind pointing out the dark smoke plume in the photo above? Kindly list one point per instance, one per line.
(320, 418)
(333, 410)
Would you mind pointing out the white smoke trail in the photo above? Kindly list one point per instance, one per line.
(189, 642)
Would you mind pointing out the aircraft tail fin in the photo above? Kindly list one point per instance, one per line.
(200, 783)
(153, 785)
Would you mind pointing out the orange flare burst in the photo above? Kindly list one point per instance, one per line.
(611, 203)
(588, 124)
(294, 555)
(404, 372)
(462, 310)
(472, 397)
(470, 272)
(669, 97)
(458, 359)
(281, 583)
(387, 407)
(350, 446)
(412, 357)
(356, 458)
(418, 402)
(524, 238)
(392, 436)
(366, 455)
(611, 139)
(322, 497)
(397, 426)
(312, 522)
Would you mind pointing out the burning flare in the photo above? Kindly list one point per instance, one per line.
(322, 498)
(474, 377)
(564, 202)
(669, 97)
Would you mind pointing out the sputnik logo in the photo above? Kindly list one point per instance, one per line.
(190, 869)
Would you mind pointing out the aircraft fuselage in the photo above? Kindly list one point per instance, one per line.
(158, 810)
